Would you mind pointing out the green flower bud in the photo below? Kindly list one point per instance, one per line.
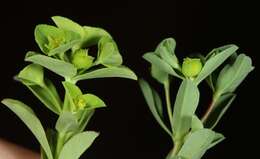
(80, 103)
(54, 42)
(81, 59)
(191, 67)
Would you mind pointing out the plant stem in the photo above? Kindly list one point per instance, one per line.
(175, 150)
(210, 108)
(59, 145)
(168, 101)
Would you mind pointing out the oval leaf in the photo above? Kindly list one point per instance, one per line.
(184, 108)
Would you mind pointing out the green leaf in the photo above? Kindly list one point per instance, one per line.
(184, 108)
(158, 103)
(76, 146)
(93, 35)
(217, 139)
(148, 93)
(67, 24)
(32, 74)
(72, 92)
(220, 107)
(44, 33)
(160, 64)
(197, 144)
(27, 115)
(67, 122)
(196, 124)
(122, 72)
(63, 48)
(214, 62)
(45, 91)
(166, 50)
(84, 117)
(108, 53)
(93, 101)
(232, 75)
(59, 67)
(161, 76)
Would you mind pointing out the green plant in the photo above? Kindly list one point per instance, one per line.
(65, 51)
(223, 69)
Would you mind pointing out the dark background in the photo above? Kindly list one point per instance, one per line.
(127, 128)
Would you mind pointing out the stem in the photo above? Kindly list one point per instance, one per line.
(168, 101)
(175, 150)
(59, 145)
(210, 107)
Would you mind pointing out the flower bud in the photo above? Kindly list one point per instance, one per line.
(80, 102)
(81, 59)
(191, 67)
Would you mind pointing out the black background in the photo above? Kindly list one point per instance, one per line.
(126, 125)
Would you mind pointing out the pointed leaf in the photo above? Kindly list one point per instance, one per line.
(149, 97)
(196, 124)
(184, 108)
(217, 139)
(214, 62)
(33, 74)
(160, 64)
(59, 67)
(84, 117)
(76, 146)
(67, 24)
(93, 101)
(27, 115)
(161, 76)
(122, 72)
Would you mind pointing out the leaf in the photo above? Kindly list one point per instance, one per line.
(43, 33)
(27, 115)
(197, 144)
(149, 97)
(72, 92)
(32, 77)
(76, 146)
(93, 101)
(67, 122)
(93, 35)
(217, 139)
(161, 76)
(184, 108)
(196, 124)
(160, 64)
(232, 75)
(108, 53)
(84, 117)
(122, 72)
(67, 24)
(32, 74)
(214, 62)
(166, 50)
(59, 67)
(63, 48)
(158, 103)
(220, 107)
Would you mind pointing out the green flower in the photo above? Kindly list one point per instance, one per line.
(81, 59)
(54, 42)
(80, 102)
(191, 67)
